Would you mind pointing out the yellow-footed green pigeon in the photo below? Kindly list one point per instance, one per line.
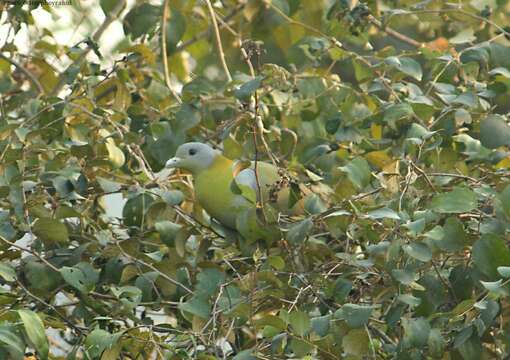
(226, 193)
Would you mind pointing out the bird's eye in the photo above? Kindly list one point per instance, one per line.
(192, 152)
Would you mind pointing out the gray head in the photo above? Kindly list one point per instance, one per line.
(193, 156)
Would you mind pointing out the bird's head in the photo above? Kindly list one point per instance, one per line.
(193, 156)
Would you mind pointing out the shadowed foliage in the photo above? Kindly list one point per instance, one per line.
(387, 120)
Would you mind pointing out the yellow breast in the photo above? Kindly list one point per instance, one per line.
(213, 191)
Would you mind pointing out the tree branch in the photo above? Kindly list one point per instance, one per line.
(206, 33)
(114, 14)
(28, 74)
(218, 40)
(399, 36)
(166, 11)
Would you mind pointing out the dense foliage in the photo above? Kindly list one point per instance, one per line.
(393, 113)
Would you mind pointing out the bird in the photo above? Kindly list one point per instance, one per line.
(228, 192)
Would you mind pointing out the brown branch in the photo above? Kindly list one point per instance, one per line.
(112, 16)
(206, 33)
(27, 73)
(30, 251)
(166, 11)
(456, 10)
(79, 329)
(399, 36)
(153, 268)
(353, 198)
(218, 40)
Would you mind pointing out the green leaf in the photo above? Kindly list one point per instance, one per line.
(300, 322)
(453, 237)
(358, 172)
(462, 117)
(107, 5)
(108, 185)
(356, 343)
(197, 306)
(300, 347)
(246, 90)
(473, 147)
(115, 154)
(12, 342)
(83, 277)
(175, 29)
(409, 300)
(459, 200)
(167, 231)
(405, 277)
(419, 251)
(489, 253)
(383, 213)
(416, 131)
(98, 341)
(342, 288)
(321, 325)
(494, 286)
(396, 112)
(7, 231)
(276, 262)
(355, 315)
(209, 281)
(406, 65)
(298, 232)
(7, 272)
(41, 277)
(34, 328)
(186, 118)
(504, 271)
(51, 231)
(311, 87)
(141, 20)
(500, 71)
(362, 71)
(245, 355)
(333, 124)
(504, 198)
(135, 209)
(494, 132)
(416, 331)
(464, 36)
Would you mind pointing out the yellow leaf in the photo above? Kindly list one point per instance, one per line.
(178, 65)
(144, 51)
(44, 73)
(378, 158)
(390, 177)
(197, 324)
(503, 164)
(251, 10)
(376, 131)
(122, 97)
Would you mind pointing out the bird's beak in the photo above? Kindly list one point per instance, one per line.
(173, 163)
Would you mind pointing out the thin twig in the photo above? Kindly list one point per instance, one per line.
(427, 179)
(79, 329)
(166, 10)
(353, 198)
(397, 35)
(206, 33)
(456, 11)
(218, 40)
(153, 268)
(28, 74)
(112, 16)
(30, 251)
